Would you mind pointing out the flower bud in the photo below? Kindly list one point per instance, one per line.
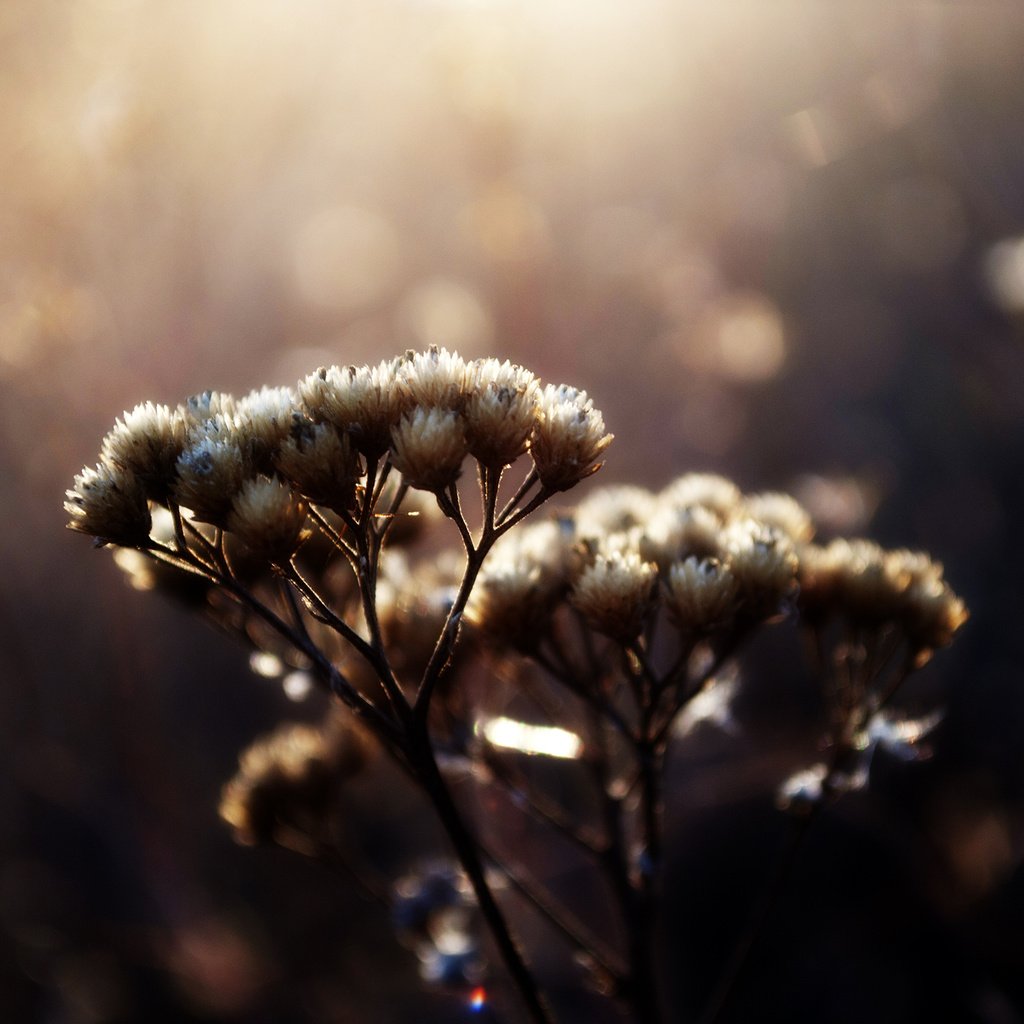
(500, 411)
(434, 379)
(210, 474)
(364, 402)
(109, 503)
(614, 593)
(428, 448)
(147, 443)
(702, 594)
(321, 463)
(568, 438)
(268, 518)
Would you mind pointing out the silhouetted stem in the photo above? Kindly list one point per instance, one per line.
(467, 849)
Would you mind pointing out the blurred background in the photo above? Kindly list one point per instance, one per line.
(783, 241)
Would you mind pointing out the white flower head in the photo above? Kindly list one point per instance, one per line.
(362, 401)
(568, 439)
(428, 448)
(109, 503)
(500, 411)
(708, 490)
(764, 562)
(702, 594)
(147, 442)
(436, 378)
(782, 512)
(321, 463)
(614, 593)
(210, 474)
(268, 517)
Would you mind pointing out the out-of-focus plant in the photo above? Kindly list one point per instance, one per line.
(296, 519)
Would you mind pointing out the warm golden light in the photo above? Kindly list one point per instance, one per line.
(531, 739)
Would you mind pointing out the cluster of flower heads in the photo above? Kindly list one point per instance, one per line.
(252, 465)
(713, 558)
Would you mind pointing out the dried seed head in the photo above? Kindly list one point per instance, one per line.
(261, 422)
(210, 474)
(207, 405)
(109, 503)
(870, 586)
(500, 411)
(436, 378)
(288, 782)
(568, 438)
(364, 402)
(268, 518)
(819, 577)
(521, 583)
(934, 612)
(707, 490)
(321, 463)
(615, 592)
(428, 448)
(613, 510)
(865, 584)
(147, 442)
(782, 512)
(675, 533)
(703, 594)
(764, 563)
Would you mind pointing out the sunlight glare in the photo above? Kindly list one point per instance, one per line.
(531, 739)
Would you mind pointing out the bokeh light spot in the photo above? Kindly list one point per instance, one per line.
(345, 257)
(443, 312)
(1004, 271)
(750, 339)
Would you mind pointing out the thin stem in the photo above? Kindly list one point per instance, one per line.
(580, 937)
(539, 807)
(506, 524)
(326, 670)
(467, 849)
(333, 536)
(528, 481)
(328, 616)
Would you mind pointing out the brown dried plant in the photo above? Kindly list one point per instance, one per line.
(287, 517)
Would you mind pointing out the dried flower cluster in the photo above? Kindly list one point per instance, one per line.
(600, 634)
(249, 465)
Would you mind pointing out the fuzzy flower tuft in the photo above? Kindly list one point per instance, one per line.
(147, 442)
(708, 490)
(500, 411)
(268, 518)
(764, 562)
(702, 594)
(210, 474)
(260, 424)
(362, 401)
(287, 783)
(433, 379)
(521, 584)
(428, 448)
(781, 512)
(614, 593)
(321, 463)
(568, 439)
(109, 503)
